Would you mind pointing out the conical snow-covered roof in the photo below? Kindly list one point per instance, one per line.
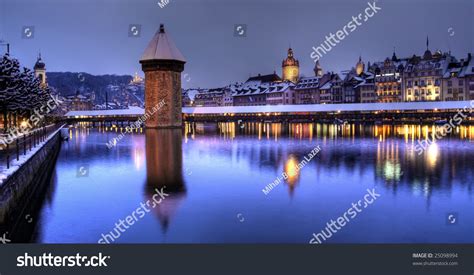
(161, 47)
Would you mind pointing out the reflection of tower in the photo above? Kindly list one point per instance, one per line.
(292, 172)
(164, 164)
(163, 63)
(40, 70)
(290, 68)
(164, 161)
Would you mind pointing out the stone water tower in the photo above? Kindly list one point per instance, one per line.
(162, 64)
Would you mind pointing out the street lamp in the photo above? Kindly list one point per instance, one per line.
(4, 43)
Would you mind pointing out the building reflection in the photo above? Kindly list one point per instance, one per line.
(164, 171)
(387, 151)
(292, 173)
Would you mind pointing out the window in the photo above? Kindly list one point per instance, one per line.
(461, 82)
(450, 83)
(450, 91)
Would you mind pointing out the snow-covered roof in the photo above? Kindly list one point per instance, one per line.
(131, 111)
(161, 47)
(469, 68)
(347, 107)
(352, 107)
(326, 86)
(308, 83)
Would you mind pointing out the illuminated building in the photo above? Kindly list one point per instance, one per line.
(422, 76)
(280, 93)
(358, 82)
(290, 68)
(307, 88)
(360, 66)
(454, 81)
(388, 79)
(468, 73)
(40, 70)
(136, 79)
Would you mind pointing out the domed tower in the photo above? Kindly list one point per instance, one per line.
(360, 66)
(40, 70)
(290, 68)
(318, 70)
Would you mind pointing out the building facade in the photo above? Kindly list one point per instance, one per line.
(388, 79)
(422, 76)
(307, 90)
(290, 68)
(40, 71)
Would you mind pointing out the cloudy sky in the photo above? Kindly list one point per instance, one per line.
(93, 35)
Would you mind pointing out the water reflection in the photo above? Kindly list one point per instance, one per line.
(386, 150)
(164, 171)
(308, 131)
(292, 173)
(228, 164)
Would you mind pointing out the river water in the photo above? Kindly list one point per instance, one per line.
(213, 176)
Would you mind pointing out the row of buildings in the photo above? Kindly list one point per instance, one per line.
(431, 77)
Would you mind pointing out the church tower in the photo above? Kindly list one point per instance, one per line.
(360, 66)
(290, 68)
(318, 70)
(162, 64)
(40, 70)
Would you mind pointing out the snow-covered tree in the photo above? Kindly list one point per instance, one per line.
(20, 92)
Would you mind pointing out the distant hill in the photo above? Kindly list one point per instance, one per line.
(67, 83)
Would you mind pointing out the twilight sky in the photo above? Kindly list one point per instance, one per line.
(92, 35)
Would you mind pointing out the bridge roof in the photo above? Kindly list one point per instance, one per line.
(352, 107)
(313, 108)
(131, 111)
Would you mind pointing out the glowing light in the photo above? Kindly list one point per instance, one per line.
(433, 153)
(292, 170)
(392, 171)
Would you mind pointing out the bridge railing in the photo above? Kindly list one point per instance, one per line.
(23, 144)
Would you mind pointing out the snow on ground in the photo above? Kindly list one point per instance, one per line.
(15, 165)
